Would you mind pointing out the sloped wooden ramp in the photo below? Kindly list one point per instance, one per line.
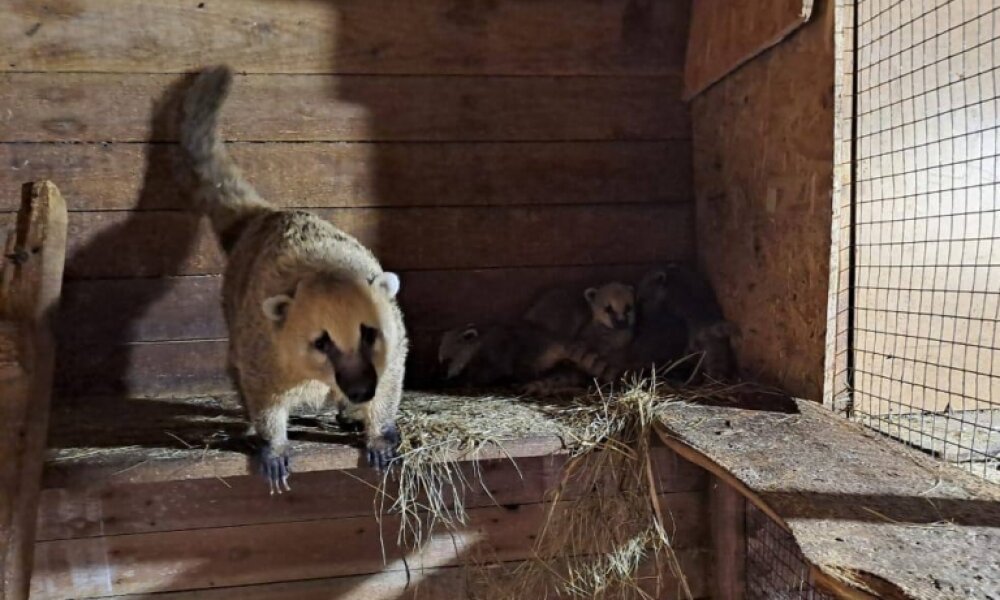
(873, 517)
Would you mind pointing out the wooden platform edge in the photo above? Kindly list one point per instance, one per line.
(842, 584)
(32, 284)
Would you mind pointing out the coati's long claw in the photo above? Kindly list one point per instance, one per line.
(384, 449)
(274, 468)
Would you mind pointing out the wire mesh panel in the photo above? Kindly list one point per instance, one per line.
(926, 284)
(775, 566)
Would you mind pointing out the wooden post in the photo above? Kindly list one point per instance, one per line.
(32, 283)
(727, 517)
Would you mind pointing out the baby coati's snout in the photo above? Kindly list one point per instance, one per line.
(613, 305)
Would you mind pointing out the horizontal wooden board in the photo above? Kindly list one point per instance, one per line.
(116, 509)
(189, 308)
(157, 243)
(251, 554)
(366, 36)
(109, 108)
(350, 175)
(444, 583)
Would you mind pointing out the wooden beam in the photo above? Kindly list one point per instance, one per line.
(34, 276)
(727, 525)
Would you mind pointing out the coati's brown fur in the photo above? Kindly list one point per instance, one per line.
(601, 317)
(513, 354)
(677, 291)
(312, 315)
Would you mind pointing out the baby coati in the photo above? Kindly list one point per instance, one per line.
(311, 314)
(602, 317)
(677, 291)
(512, 354)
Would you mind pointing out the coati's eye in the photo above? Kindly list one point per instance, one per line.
(323, 342)
(368, 335)
(610, 310)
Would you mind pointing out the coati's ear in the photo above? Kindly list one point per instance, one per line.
(470, 333)
(387, 282)
(276, 307)
(590, 293)
(660, 277)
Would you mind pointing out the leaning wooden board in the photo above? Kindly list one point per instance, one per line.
(873, 517)
(32, 279)
(724, 35)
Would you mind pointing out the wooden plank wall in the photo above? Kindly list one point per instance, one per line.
(483, 149)
(763, 146)
(215, 538)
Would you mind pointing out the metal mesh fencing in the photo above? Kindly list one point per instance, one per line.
(926, 253)
(775, 568)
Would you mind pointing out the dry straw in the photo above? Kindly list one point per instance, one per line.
(605, 532)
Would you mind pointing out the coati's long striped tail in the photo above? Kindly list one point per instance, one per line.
(222, 192)
(591, 363)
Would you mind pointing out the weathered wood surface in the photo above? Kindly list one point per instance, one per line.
(109, 508)
(725, 35)
(163, 243)
(318, 108)
(195, 438)
(727, 527)
(867, 512)
(231, 556)
(32, 279)
(763, 146)
(448, 583)
(443, 583)
(101, 311)
(350, 175)
(360, 37)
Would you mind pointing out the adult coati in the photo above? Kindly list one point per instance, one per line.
(311, 313)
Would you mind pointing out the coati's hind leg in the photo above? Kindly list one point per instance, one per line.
(269, 418)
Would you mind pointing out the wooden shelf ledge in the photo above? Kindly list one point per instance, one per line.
(873, 517)
(119, 440)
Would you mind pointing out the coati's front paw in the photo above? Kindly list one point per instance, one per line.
(348, 424)
(274, 467)
(383, 449)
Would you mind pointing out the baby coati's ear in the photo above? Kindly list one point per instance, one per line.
(276, 307)
(388, 283)
(590, 294)
(470, 333)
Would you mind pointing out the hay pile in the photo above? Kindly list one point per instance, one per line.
(592, 545)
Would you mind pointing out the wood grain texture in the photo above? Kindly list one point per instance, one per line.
(102, 311)
(725, 35)
(32, 281)
(361, 36)
(116, 509)
(231, 556)
(161, 243)
(727, 528)
(446, 583)
(852, 498)
(350, 175)
(301, 108)
(763, 143)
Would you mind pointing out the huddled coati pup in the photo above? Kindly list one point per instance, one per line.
(311, 314)
(678, 291)
(513, 354)
(602, 317)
